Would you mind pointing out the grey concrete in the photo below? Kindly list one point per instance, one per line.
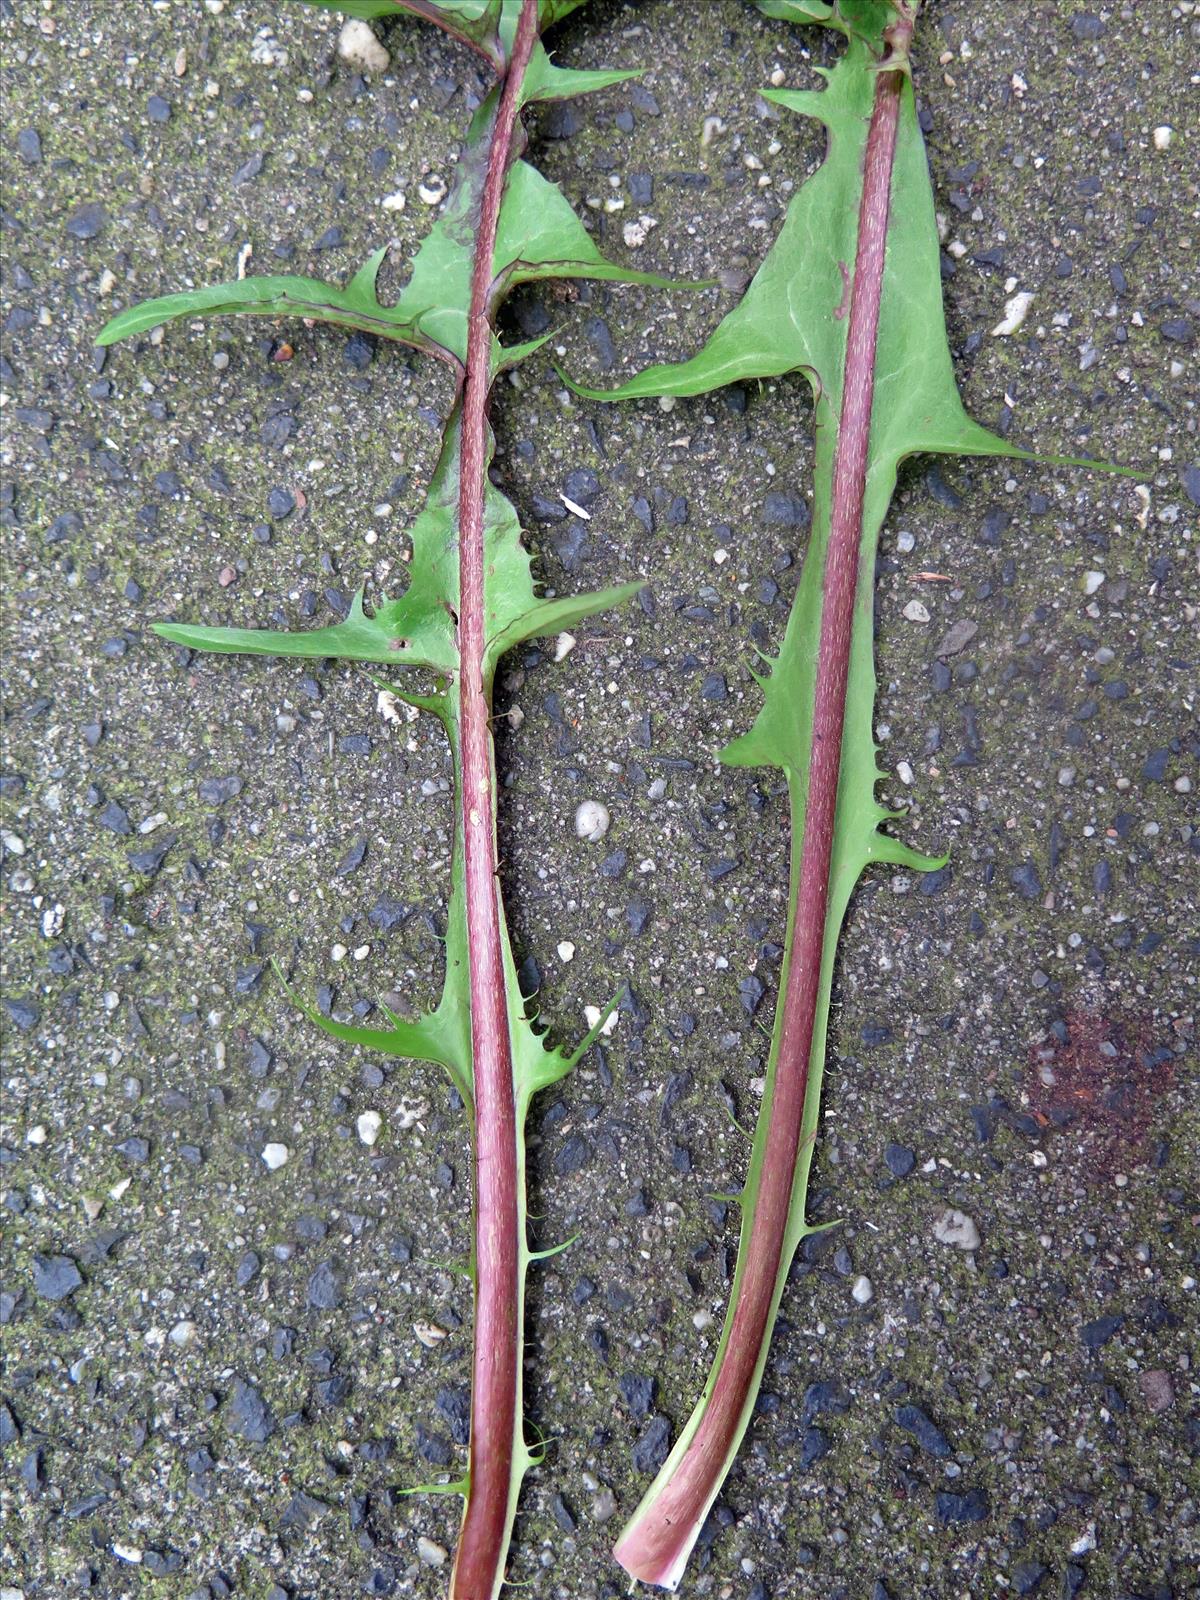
(138, 1005)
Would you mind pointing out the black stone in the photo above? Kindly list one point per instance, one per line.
(637, 1391)
(359, 351)
(1098, 1332)
(925, 1431)
(581, 485)
(653, 1445)
(1154, 768)
(453, 1405)
(24, 1011)
(250, 1417)
(148, 862)
(388, 914)
(751, 990)
(249, 169)
(971, 1506)
(248, 1268)
(10, 1428)
(87, 221)
(573, 1156)
(161, 1563)
(825, 1399)
(434, 1447)
(900, 1160)
(302, 1511)
(56, 1277)
(115, 818)
(217, 791)
(1026, 880)
(782, 510)
(324, 1289)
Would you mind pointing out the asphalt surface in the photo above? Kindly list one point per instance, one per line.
(218, 1374)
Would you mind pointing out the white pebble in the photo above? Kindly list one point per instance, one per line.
(592, 1015)
(433, 1555)
(636, 233)
(1092, 581)
(563, 646)
(592, 821)
(904, 772)
(956, 1228)
(182, 1333)
(394, 202)
(862, 1290)
(358, 47)
(905, 542)
(127, 1552)
(36, 1134)
(916, 612)
(604, 1506)
(274, 1155)
(1015, 312)
(432, 191)
(566, 951)
(369, 1124)
(1163, 135)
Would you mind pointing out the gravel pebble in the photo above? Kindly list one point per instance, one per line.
(971, 1506)
(926, 1432)
(956, 1228)
(249, 1416)
(653, 1445)
(430, 1553)
(86, 222)
(359, 47)
(56, 1277)
(1156, 1390)
(899, 1159)
(592, 821)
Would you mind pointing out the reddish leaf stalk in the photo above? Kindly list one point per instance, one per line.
(650, 1548)
(496, 1378)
